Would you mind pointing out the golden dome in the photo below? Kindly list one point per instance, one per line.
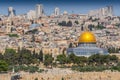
(87, 37)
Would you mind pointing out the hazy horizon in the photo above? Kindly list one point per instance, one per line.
(72, 6)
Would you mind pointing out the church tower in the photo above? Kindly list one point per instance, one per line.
(8, 26)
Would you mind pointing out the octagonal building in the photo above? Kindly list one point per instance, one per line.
(87, 46)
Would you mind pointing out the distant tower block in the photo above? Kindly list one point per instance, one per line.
(11, 12)
(31, 14)
(57, 11)
(110, 10)
(39, 10)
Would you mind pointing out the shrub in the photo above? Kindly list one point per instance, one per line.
(13, 35)
(36, 78)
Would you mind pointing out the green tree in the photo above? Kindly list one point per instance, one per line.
(23, 56)
(117, 24)
(76, 22)
(90, 27)
(3, 66)
(114, 59)
(36, 78)
(100, 26)
(72, 58)
(1, 56)
(95, 59)
(69, 23)
(26, 57)
(113, 50)
(63, 23)
(13, 35)
(98, 59)
(48, 60)
(62, 78)
(40, 55)
(90, 18)
(62, 59)
(9, 56)
(80, 60)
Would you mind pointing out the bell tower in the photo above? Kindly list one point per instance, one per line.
(8, 26)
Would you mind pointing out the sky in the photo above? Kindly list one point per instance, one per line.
(71, 6)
